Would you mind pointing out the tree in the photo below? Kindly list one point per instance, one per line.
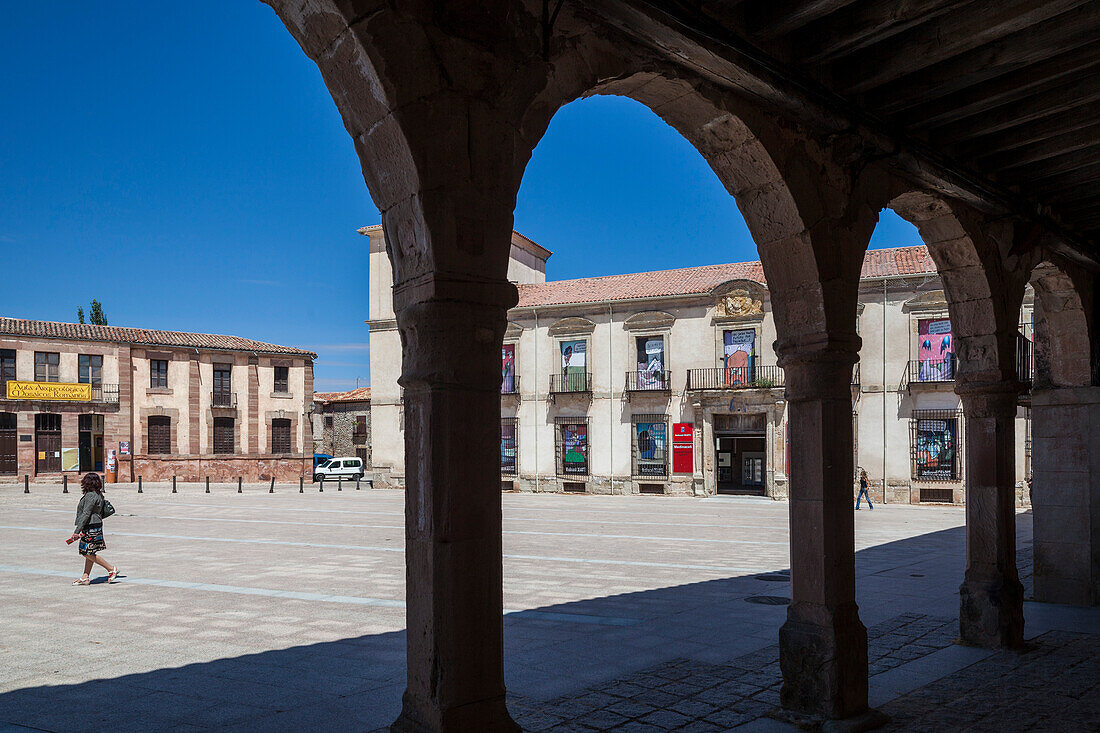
(79, 314)
(96, 316)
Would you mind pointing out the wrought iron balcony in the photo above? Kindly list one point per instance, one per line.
(645, 381)
(930, 372)
(223, 399)
(510, 385)
(570, 382)
(736, 378)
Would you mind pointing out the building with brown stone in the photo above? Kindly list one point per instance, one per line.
(165, 403)
(342, 424)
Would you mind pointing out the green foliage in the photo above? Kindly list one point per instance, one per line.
(96, 315)
(79, 314)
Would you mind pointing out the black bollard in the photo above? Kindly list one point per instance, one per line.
(208, 484)
(26, 483)
(173, 484)
(301, 485)
(65, 484)
(339, 483)
(322, 483)
(272, 489)
(139, 484)
(357, 482)
(239, 485)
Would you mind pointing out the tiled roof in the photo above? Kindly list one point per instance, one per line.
(698, 280)
(140, 336)
(362, 394)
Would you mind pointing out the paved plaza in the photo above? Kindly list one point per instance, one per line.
(278, 611)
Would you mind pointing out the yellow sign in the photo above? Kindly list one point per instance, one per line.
(66, 391)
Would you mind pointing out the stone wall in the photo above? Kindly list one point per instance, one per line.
(339, 438)
(252, 468)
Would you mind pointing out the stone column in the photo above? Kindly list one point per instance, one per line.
(823, 644)
(1065, 456)
(451, 377)
(991, 598)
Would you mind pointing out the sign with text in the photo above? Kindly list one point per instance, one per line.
(63, 391)
(683, 448)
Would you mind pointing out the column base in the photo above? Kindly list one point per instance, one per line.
(991, 613)
(870, 720)
(823, 655)
(490, 716)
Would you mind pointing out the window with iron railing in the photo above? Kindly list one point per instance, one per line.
(649, 445)
(509, 445)
(570, 382)
(648, 381)
(571, 446)
(222, 395)
(736, 377)
(934, 443)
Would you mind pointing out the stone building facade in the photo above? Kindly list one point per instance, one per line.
(165, 403)
(668, 383)
(342, 424)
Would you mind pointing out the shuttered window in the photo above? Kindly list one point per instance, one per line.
(280, 435)
(223, 435)
(160, 434)
(282, 379)
(158, 373)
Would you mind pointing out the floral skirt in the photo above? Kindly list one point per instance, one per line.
(91, 541)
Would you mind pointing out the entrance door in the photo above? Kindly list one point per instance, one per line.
(47, 443)
(752, 470)
(90, 443)
(8, 443)
(725, 449)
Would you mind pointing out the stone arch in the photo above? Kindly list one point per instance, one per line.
(1062, 327)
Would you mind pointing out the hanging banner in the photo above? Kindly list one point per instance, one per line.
(652, 443)
(651, 362)
(935, 350)
(508, 448)
(738, 355)
(936, 450)
(574, 449)
(64, 391)
(574, 365)
(683, 448)
(508, 368)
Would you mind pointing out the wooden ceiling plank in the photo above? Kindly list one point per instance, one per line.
(863, 24)
(948, 36)
(1003, 89)
(1006, 56)
(1029, 134)
(1059, 165)
(770, 20)
(1058, 145)
(1062, 98)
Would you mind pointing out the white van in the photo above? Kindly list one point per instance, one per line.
(335, 468)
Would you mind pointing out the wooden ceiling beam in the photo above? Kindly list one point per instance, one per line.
(1008, 55)
(1027, 134)
(767, 21)
(1087, 137)
(1058, 165)
(1003, 89)
(956, 33)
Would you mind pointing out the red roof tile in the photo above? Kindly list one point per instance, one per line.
(699, 280)
(362, 394)
(140, 336)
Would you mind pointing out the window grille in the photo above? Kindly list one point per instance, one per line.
(1027, 443)
(224, 441)
(328, 421)
(571, 447)
(935, 440)
(509, 445)
(282, 379)
(158, 374)
(280, 435)
(651, 488)
(160, 435)
(649, 445)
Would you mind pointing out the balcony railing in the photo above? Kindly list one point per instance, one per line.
(223, 399)
(510, 385)
(757, 377)
(570, 382)
(645, 381)
(930, 372)
(107, 393)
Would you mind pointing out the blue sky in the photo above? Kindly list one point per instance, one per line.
(184, 164)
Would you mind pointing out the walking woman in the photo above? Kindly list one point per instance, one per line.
(89, 528)
(864, 490)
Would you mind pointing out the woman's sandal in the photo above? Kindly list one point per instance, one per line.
(82, 581)
(112, 575)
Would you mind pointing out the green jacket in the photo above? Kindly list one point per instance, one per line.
(89, 510)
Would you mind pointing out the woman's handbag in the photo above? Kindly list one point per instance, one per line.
(108, 510)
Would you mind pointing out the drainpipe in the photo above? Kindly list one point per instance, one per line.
(535, 311)
(610, 397)
(883, 390)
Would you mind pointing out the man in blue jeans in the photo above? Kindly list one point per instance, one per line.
(863, 492)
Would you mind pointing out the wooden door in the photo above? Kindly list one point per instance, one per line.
(47, 443)
(8, 443)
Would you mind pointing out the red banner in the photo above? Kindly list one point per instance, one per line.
(683, 448)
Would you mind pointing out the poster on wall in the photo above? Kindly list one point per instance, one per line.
(574, 450)
(651, 362)
(574, 365)
(70, 459)
(935, 350)
(508, 368)
(508, 448)
(936, 450)
(738, 355)
(652, 442)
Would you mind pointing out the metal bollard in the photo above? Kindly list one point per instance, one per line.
(65, 484)
(301, 485)
(173, 484)
(357, 482)
(208, 484)
(322, 483)
(339, 483)
(272, 489)
(26, 483)
(239, 485)
(139, 484)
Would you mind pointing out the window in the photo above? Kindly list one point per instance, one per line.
(650, 445)
(280, 435)
(223, 386)
(934, 445)
(7, 370)
(160, 434)
(738, 357)
(328, 421)
(650, 362)
(158, 373)
(574, 366)
(571, 446)
(46, 366)
(282, 379)
(508, 434)
(508, 369)
(224, 439)
(359, 427)
(90, 369)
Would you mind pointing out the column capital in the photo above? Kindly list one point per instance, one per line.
(988, 399)
(458, 288)
(819, 365)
